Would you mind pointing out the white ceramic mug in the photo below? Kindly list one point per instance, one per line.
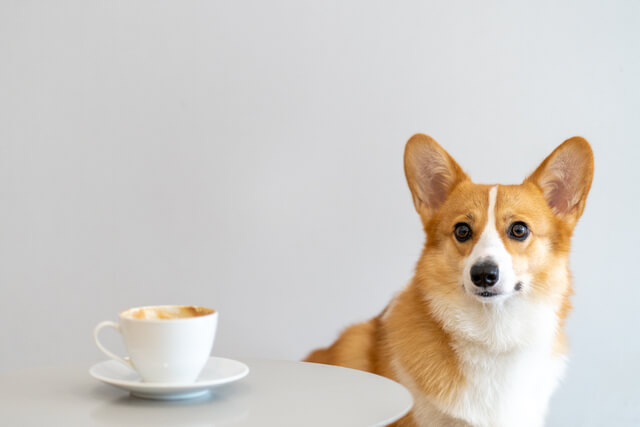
(167, 343)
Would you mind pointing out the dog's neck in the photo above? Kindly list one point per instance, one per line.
(495, 328)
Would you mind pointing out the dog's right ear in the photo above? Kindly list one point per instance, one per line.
(431, 174)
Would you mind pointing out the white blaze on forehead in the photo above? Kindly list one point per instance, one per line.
(489, 240)
(491, 246)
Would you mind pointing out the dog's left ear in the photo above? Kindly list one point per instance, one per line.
(565, 178)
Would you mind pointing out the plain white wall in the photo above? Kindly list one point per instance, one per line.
(248, 156)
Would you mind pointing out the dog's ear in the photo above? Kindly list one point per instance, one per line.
(564, 178)
(431, 174)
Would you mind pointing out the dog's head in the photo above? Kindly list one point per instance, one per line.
(490, 244)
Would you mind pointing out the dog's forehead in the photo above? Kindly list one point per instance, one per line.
(470, 202)
(468, 199)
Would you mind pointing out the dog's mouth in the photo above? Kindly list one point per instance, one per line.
(490, 294)
(487, 294)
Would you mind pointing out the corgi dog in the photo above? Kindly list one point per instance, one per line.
(477, 334)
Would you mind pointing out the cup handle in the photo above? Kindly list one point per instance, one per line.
(115, 326)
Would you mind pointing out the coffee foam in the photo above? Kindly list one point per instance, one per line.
(167, 312)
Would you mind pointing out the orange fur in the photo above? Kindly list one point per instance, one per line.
(410, 332)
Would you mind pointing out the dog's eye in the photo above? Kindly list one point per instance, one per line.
(518, 231)
(462, 232)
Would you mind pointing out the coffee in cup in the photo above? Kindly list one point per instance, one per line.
(165, 343)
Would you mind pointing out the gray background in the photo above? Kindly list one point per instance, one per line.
(248, 156)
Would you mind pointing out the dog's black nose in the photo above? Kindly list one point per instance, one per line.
(484, 273)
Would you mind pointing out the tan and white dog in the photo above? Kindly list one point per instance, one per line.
(477, 335)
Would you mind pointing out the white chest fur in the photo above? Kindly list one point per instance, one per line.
(508, 364)
(509, 389)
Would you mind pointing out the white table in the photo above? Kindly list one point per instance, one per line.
(275, 393)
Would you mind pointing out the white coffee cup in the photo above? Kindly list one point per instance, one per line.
(165, 343)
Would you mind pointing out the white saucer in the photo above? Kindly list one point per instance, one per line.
(217, 371)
